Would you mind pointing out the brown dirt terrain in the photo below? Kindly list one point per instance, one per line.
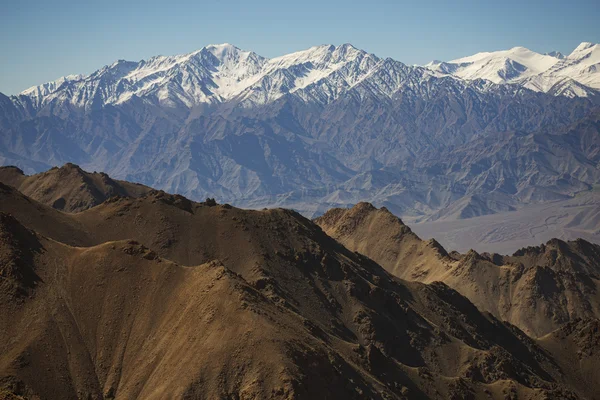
(577, 345)
(69, 188)
(380, 235)
(537, 289)
(160, 297)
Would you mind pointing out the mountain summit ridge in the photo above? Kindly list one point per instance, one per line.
(532, 70)
(517, 65)
(538, 288)
(212, 74)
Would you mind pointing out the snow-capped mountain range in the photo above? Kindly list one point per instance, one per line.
(218, 73)
(214, 74)
(328, 126)
(571, 75)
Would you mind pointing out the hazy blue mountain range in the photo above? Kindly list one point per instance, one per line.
(328, 126)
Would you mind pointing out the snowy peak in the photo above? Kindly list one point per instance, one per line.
(582, 67)
(53, 85)
(223, 50)
(535, 71)
(230, 58)
(320, 73)
(38, 93)
(320, 57)
(582, 47)
(502, 66)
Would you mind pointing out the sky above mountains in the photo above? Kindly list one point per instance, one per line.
(45, 40)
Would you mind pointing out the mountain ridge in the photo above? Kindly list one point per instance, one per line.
(506, 282)
(535, 71)
(253, 67)
(256, 304)
(537, 288)
(69, 188)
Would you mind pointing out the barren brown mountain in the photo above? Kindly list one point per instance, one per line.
(537, 289)
(69, 188)
(161, 297)
(380, 235)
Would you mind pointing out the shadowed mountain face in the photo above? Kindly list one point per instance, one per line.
(537, 289)
(159, 296)
(69, 188)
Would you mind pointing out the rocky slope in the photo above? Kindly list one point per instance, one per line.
(537, 289)
(383, 237)
(167, 297)
(69, 188)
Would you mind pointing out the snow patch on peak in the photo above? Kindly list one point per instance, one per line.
(520, 49)
(347, 46)
(471, 59)
(583, 46)
(223, 50)
(38, 92)
(222, 46)
(118, 62)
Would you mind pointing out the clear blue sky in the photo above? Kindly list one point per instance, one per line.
(45, 39)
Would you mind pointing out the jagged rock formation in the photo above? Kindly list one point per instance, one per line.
(537, 289)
